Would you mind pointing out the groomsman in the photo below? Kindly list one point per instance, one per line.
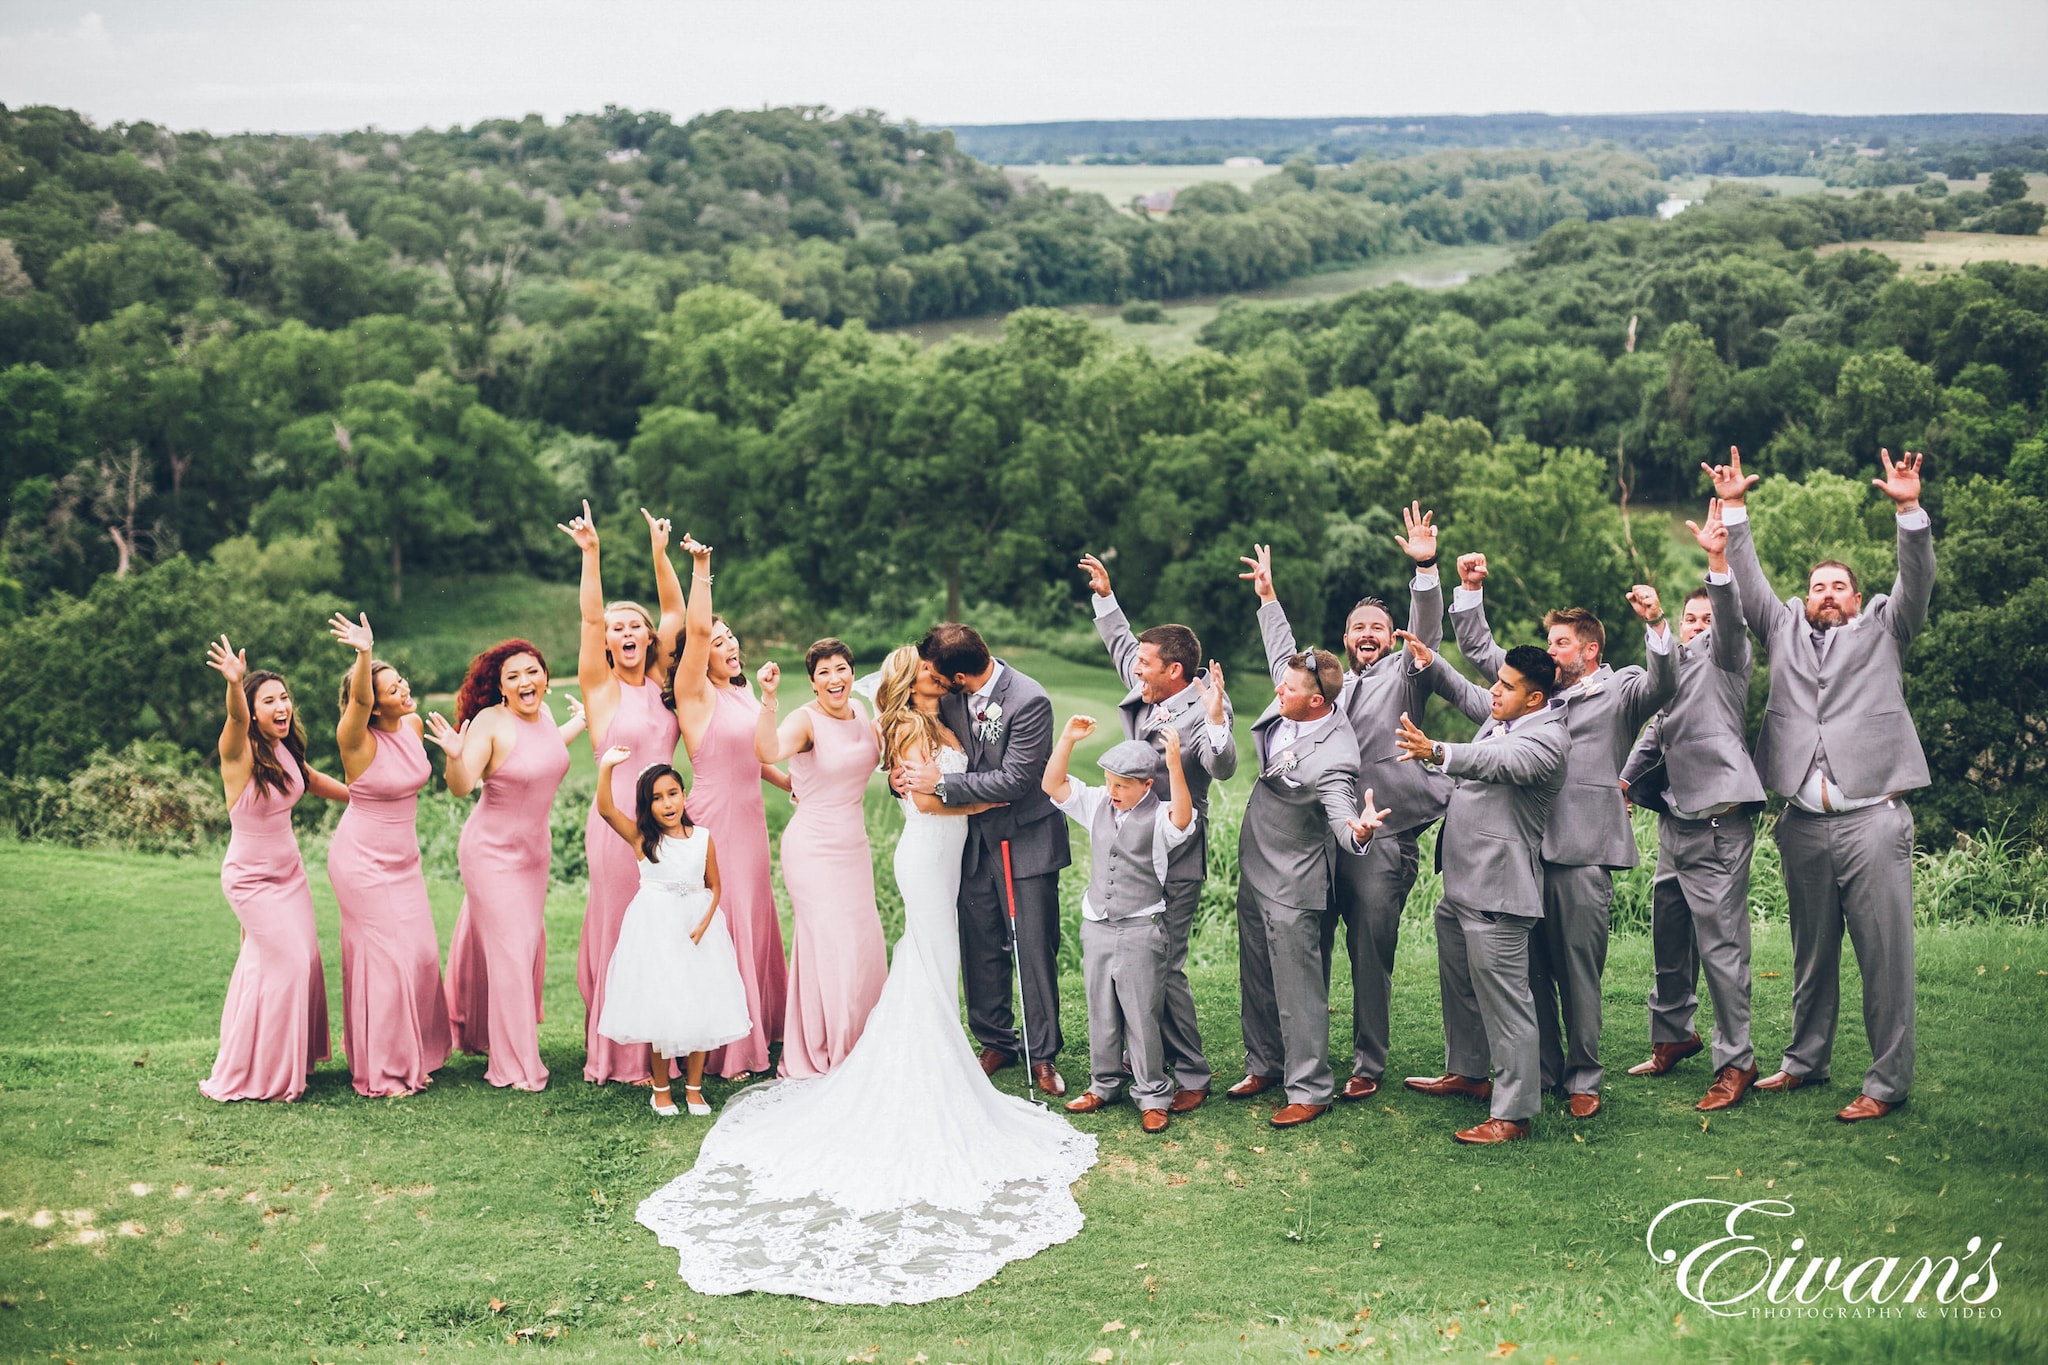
(1169, 690)
(1693, 768)
(1589, 834)
(1303, 815)
(1838, 744)
(1509, 779)
(1379, 687)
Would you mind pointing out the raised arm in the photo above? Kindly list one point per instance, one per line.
(669, 592)
(593, 673)
(1906, 610)
(1274, 632)
(1475, 636)
(1055, 784)
(352, 736)
(608, 808)
(772, 742)
(1650, 691)
(1024, 759)
(1218, 756)
(1762, 609)
(1425, 604)
(1180, 807)
(1728, 637)
(691, 682)
(1111, 623)
(1432, 672)
(233, 665)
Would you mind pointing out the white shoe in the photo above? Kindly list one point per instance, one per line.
(698, 1108)
(667, 1111)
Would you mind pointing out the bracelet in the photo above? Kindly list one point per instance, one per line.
(701, 577)
(1429, 563)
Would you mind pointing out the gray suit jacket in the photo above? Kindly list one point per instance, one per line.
(1373, 701)
(1856, 701)
(1698, 737)
(1295, 820)
(1505, 795)
(1010, 766)
(1589, 824)
(1184, 712)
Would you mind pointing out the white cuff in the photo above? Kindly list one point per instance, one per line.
(1219, 735)
(1464, 598)
(1424, 580)
(1733, 516)
(1105, 604)
(1718, 579)
(1915, 520)
(1659, 641)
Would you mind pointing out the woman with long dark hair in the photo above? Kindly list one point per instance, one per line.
(505, 741)
(623, 660)
(273, 1025)
(394, 1019)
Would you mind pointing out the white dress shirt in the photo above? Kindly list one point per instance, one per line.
(1084, 803)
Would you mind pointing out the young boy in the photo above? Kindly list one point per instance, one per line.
(1123, 933)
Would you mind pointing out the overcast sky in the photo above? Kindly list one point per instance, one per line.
(305, 65)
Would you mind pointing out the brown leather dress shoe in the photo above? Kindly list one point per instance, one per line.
(1664, 1056)
(1294, 1115)
(1252, 1085)
(1359, 1088)
(1047, 1079)
(1494, 1130)
(1153, 1120)
(993, 1061)
(1583, 1105)
(1185, 1101)
(1451, 1085)
(1731, 1083)
(1782, 1080)
(1087, 1102)
(1864, 1107)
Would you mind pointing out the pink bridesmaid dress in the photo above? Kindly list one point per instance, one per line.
(648, 728)
(394, 1019)
(498, 957)
(838, 962)
(273, 1028)
(725, 798)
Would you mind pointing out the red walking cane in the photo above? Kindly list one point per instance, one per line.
(1017, 961)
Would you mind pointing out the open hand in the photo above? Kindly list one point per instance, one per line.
(1078, 728)
(582, 530)
(1420, 542)
(1098, 577)
(575, 710)
(229, 662)
(356, 634)
(1369, 819)
(1414, 745)
(1712, 534)
(1472, 571)
(613, 757)
(1170, 739)
(1213, 695)
(1261, 571)
(1730, 483)
(447, 736)
(1901, 481)
(770, 678)
(1421, 654)
(657, 530)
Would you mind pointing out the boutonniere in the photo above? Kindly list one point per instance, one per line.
(1285, 764)
(989, 728)
(1591, 689)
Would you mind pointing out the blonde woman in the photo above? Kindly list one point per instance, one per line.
(912, 1122)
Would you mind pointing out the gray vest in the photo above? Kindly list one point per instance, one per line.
(1124, 881)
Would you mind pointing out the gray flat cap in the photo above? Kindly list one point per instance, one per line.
(1132, 758)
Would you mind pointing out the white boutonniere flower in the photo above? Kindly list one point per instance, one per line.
(1285, 764)
(990, 727)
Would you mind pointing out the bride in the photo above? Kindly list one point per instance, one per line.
(904, 1175)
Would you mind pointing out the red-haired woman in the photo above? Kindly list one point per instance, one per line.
(622, 664)
(504, 740)
(273, 1027)
(394, 1019)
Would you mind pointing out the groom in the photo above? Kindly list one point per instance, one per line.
(1004, 721)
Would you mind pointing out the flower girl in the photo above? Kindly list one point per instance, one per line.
(674, 980)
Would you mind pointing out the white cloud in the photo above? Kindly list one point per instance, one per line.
(92, 28)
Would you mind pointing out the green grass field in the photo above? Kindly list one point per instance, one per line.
(139, 1220)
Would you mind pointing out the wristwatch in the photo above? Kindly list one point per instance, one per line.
(939, 790)
(1436, 755)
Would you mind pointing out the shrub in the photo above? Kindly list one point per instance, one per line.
(152, 795)
(1142, 311)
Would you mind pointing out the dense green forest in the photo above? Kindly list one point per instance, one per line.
(1844, 150)
(339, 366)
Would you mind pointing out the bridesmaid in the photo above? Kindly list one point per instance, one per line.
(838, 963)
(273, 1027)
(622, 662)
(717, 712)
(394, 1019)
(504, 739)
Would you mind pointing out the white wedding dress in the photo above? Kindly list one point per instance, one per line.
(904, 1175)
